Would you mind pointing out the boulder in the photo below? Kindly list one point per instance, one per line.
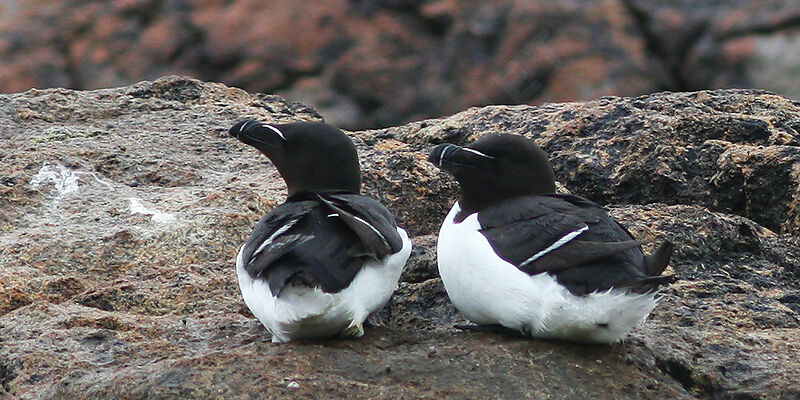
(365, 64)
(123, 208)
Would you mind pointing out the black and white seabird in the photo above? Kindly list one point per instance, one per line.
(513, 253)
(317, 265)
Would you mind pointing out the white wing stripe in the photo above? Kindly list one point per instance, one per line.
(560, 242)
(373, 229)
(271, 238)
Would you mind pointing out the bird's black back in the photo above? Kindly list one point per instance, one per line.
(320, 240)
(601, 256)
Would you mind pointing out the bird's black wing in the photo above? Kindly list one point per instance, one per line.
(568, 236)
(321, 242)
(273, 236)
(370, 220)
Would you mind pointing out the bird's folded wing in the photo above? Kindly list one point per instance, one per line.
(369, 220)
(552, 233)
(272, 236)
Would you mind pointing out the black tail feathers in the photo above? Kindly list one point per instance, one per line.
(654, 266)
(657, 262)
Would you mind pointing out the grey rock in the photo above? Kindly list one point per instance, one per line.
(109, 290)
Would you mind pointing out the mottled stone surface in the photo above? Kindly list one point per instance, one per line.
(366, 64)
(734, 151)
(122, 210)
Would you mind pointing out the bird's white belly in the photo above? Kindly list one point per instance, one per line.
(489, 290)
(302, 312)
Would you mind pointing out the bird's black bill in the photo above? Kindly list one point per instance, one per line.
(256, 134)
(239, 127)
(441, 152)
(449, 156)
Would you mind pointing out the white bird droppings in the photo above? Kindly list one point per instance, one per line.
(63, 179)
(157, 216)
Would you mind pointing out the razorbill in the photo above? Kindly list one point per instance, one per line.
(317, 265)
(513, 254)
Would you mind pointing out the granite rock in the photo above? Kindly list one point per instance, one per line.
(382, 63)
(123, 209)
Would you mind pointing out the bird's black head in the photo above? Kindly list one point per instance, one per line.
(311, 157)
(495, 168)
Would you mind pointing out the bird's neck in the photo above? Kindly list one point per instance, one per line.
(306, 195)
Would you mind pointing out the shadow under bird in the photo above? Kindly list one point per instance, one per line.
(317, 265)
(513, 255)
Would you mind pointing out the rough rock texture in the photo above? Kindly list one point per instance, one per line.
(734, 151)
(122, 210)
(380, 63)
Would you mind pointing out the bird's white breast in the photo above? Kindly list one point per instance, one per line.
(490, 290)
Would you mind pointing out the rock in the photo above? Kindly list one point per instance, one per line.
(110, 289)
(382, 63)
(732, 151)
